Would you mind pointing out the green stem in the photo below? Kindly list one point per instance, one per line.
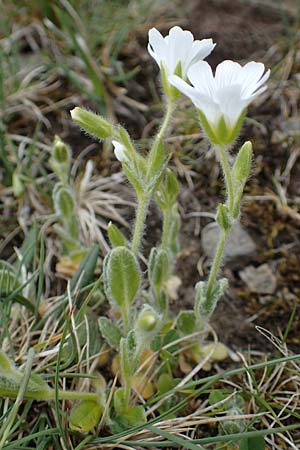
(49, 395)
(165, 124)
(166, 229)
(125, 317)
(74, 395)
(127, 392)
(143, 201)
(227, 173)
(158, 139)
(216, 263)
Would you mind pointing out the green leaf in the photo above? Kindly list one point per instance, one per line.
(133, 179)
(165, 383)
(128, 355)
(217, 395)
(223, 217)
(186, 322)
(253, 443)
(242, 165)
(85, 416)
(11, 379)
(110, 332)
(119, 403)
(158, 270)
(135, 416)
(116, 238)
(121, 276)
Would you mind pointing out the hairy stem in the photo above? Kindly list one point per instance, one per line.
(216, 263)
(227, 174)
(166, 229)
(165, 124)
(143, 202)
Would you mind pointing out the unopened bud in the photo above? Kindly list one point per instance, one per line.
(61, 153)
(147, 320)
(92, 123)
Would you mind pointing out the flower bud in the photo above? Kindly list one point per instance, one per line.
(92, 123)
(61, 152)
(147, 320)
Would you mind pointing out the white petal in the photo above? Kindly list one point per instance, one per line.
(157, 45)
(120, 151)
(231, 103)
(201, 49)
(210, 109)
(203, 102)
(179, 45)
(250, 76)
(184, 87)
(201, 76)
(227, 73)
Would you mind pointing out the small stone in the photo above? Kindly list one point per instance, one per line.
(238, 244)
(260, 280)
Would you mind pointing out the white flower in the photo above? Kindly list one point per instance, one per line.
(222, 99)
(178, 48)
(120, 151)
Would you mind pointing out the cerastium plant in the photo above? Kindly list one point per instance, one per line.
(137, 316)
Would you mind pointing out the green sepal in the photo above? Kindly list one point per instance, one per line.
(92, 123)
(171, 92)
(85, 416)
(110, 332)
(221, 135)
(116, 237)
(121, 277)
(186, 322)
